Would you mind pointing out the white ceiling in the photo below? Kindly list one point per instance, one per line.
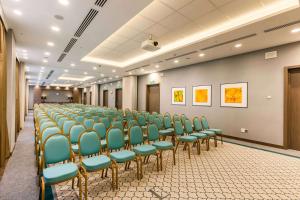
(117, 31)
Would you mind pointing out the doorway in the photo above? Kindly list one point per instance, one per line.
(105, 98)
(118, 103)
(90, 98)
(84, 98)
(153, 98)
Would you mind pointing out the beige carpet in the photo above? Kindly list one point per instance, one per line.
(227, 172)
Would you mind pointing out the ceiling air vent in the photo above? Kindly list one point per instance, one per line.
(61, 57)
(185, 54)
(86, 22)
(100, 3)
(229, 41)
(50, 73)
(281, 26)
(70, 45)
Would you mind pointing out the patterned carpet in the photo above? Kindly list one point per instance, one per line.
(227, 172)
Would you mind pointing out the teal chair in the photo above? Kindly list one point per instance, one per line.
(96, 119)
(115, 142)
(101, 131)
(186, 139)
(57, 149)
(88, 123)
(142, 121)
(45, 125)
(136, 143)
(79, 119)
(163, 132)
(200, 136)
(150, 119)
(75, 132)
(67, 126)
(210, 134)
(105, 121)
(154, 114)
(206, 127)
(176, 118)
(61, 122)
(153, 138)
(183, 117)
(90, 157)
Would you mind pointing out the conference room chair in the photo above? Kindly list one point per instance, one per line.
(88, 123)
(101, 131)
(56, 151)
(200, 136)
(206, 127)
(67, 126)
(105, 121)
(90, 157)
(210, 134)
(154, 139)
(75, 132)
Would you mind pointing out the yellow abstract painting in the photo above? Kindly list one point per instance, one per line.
(178, 96)
(201, 95)
(233, 95)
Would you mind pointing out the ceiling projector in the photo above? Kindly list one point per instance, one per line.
(150, 45)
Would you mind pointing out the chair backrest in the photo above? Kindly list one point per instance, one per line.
(183, 117)
(135, 135)
(96, 119)
(167, 122)
(141, 120)
(161, 117)
(204, 122)
(151, 119)
(56, 149)
(105, 121)
(45, 125)
(178, 127)
(88, 123)
(197, 124)
(79, 119)
(67, 126)
(176, 117)
(154, 114)
(100, 130)
(153, 133)
(117, 124)
(49, 131)
(188, 126)
(75, 132)
(61, 122)
(132, 123)
(158, 123)
(89, 143)
(114, 139)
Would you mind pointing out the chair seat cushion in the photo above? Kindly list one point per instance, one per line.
(75, 148)
(199, 135)
(122, 156)
(165, 132)
(103, 143)
(60, 173)
(125, 129)
(126, 138)
(96, 163)
(170, 129)
(217, 131)
(163, 145)
(208, 133)
(144, 127)
(144, 150)
(187, 138)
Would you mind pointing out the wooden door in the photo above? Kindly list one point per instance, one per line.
(153, 98)
(105, 98)
(90, 98)
(84, 98)
(118, 98)
(294, 109)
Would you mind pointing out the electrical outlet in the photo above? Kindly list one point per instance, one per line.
(244, 130)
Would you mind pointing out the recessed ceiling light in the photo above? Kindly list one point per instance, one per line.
(42, 67)
(238, 45)
(45, 61)
(176, 61)
(113, 70)
(72, 65)
(110, 78)
(99, 81)
(296, 30)
(64, 2)
(47, 53)
(85, 73)
(142, 70)
(116, 76)
(51, 44)
(101, 75)
(17, 12)
(156, 66)
(104, 80)
(94, 68)
(66, 70)
(201, 55)
(55, 28)
(130, 73)
(24, 51)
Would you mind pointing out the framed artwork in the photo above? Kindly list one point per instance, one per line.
(234, 95)
(178, 96)
(202, 95)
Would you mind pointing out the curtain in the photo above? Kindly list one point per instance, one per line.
(4, 144)
(17, 116)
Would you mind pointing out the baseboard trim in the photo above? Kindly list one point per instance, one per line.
(254, 141)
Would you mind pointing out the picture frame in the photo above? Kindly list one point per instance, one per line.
(178, 96)
(202, 95)
(234, 95)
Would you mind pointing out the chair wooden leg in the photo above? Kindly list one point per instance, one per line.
(73, 183)
(157, 160)
(43, 188)
(221, 138)
(80, 188)
(141, 168)
(174, 156)
(216, 142)
(198, 147)
(173, 139)
(184, 147)
(128, 164)
(138, 168)
(113, 183)
(160, 159)
(85, 186)
(106, 172)
(189, 149)
(176, 146)
(102, 174)
(207, 143)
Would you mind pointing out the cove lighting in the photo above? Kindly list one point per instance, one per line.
(51, 44)
(47, 53)
(55, 28)
(64, 2)
(176, 61)
(113, 70)
(238, 45)
(296, 30)
(17, 12)
(201, 55)
(156, 66)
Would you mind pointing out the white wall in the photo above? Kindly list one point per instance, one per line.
(11, 87)
(22, 91)
(129, 93)
(111, 87)
(263, 117)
